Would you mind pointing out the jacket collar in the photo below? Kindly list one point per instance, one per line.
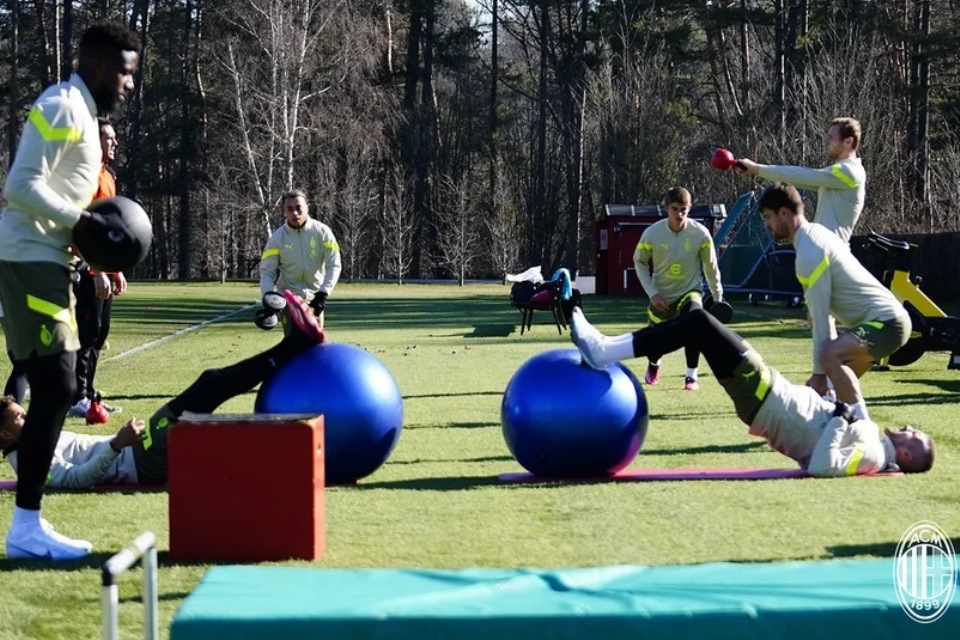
(77, 81)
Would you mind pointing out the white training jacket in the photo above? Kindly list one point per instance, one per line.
(304, 260)
(82, 461)
(53, 176)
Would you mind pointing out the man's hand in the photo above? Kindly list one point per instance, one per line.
(319, 302)
(101, 286)
(129, 434)
(818, 382)
(119, 283)
(745, 166)
(659, 302)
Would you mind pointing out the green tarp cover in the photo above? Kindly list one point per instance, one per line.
(854, 599)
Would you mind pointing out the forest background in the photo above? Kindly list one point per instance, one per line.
(470, 138)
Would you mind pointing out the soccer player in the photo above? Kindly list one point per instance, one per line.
(836, 284)
(823, 437)
(53, 177)
(676, 247)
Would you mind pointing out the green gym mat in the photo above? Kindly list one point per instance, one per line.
(855, 599)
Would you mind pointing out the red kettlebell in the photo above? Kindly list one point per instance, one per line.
(722, 159)
(97, 413)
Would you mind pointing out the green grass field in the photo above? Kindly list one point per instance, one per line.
(436, 502)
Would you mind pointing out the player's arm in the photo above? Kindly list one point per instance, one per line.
(711, 269)
(835, 176)
(47, 135)
(331, 260)
(270, 265)
(813, 272)
(845, 449)
(642, 256)
(64, 474)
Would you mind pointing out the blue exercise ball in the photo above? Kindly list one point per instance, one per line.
(562, 419)
(358, 397)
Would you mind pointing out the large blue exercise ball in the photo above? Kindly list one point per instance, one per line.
(562, 419)
(358, 397)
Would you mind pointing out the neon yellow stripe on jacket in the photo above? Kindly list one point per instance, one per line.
(837, 172)
(51, 310)
(810, 280)
(49, 133)
(270, 252)
(330, 244)
(855, 460)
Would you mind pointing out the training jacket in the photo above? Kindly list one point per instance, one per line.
(835, 283)
(841, 191)
(81, 461)
(800, 424)
(53, 177)
(677, 257)
(304, 260)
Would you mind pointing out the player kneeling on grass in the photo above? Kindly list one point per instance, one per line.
(137, 454)
(824, 437)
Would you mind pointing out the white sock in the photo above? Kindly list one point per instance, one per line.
(860, 410)
(654, 364)
(25, 518)
(692, 373)
(617, 348)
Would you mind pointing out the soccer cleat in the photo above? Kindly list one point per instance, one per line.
(80, 409)
(653, 374)
(690, 384)
(302, 318)
(43, 543)
(589, 341)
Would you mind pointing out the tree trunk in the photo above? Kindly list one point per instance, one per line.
(46, 53)
(918, 145)
(66, 40)
(13, 116)
(494, 80)
(186, 152)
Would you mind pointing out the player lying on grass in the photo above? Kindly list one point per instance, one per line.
(137, 454)
(824, 437)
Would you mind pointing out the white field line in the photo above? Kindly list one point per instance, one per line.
(176, 334)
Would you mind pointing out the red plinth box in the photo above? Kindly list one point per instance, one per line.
(246, 488)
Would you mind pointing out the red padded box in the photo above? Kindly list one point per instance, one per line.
(246, 488)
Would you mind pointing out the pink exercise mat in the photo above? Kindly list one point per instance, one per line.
(660, 475)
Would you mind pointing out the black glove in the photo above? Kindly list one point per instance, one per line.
(319, 302)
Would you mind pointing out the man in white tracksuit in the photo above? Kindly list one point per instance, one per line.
(825, 438)
(836, 284)
(841, 186)
(674, 249)
(301, 256)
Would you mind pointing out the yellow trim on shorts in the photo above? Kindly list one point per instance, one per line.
(837, 172)
(50, 310)
(855, 460)
(813, 277)
(50, 133)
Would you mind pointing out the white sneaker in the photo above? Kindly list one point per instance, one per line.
(43, 543)
(80, 409)
(588, 340)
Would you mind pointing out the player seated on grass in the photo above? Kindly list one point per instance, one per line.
(137, 454)
(824, 437)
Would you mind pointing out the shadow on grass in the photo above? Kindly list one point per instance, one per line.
(951, 385)
(877, 550)
(446, 460)
(458, 483)
(454, 395)
(916, 398)
(454, 425)
(491, 331)
(746, 447)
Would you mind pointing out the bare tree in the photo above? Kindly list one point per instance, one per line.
(458, 230)
(395, 230)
